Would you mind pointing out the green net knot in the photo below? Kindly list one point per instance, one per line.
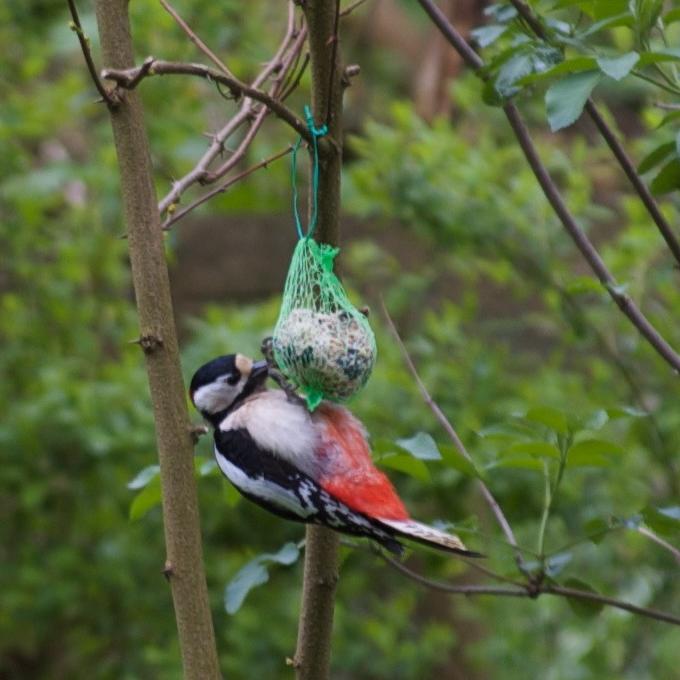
(327, 255)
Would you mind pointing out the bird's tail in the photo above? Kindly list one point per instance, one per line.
(422, 533)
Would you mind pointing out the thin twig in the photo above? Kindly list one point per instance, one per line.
(175, 217)
(249, 112)
(577, 594)
(453, 435)
(348, 10)
(583, 243)
(284, 81)
(195, 39)
(240, 151)
(130, 78)
(613, 143)
(295, 81)
(648, 533)
(531, 591)
(77, 27)
(640, 187)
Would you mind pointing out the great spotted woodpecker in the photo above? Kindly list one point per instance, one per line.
(309, 467)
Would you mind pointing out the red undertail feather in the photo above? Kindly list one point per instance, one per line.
(350, 474)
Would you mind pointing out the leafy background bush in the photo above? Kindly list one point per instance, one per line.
(512, 337)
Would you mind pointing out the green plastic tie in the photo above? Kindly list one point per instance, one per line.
(316, 132)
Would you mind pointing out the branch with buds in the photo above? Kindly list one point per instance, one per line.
(552, 193)
(264, 95)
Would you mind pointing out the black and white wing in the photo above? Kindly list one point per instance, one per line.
(276, 485)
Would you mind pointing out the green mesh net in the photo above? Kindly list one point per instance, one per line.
(321, 341)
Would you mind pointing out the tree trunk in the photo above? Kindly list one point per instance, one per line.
(313, 653)
(158, 339)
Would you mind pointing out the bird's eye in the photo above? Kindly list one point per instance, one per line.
(233, 378)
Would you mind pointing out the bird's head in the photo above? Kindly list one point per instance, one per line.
(224, 382)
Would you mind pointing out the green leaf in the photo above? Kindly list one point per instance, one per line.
(592, 453)
(406, 464)
(661, 55)
(420, 446)
(511, 430)
(574, 65)
(595, 446)
(596, 420)
(536, 449)
(665, 521)
(580, 460)
(453, 459)
(596, 529)
(288, 554)
(672, 16)
(626, 412)
(518, 461)
(525, 62)
(646, 13)
(143, 477)
(669, 118)
(565, 99)
(254, 574)
(659, 154)
(582, 608)
(668, 178)
(550, 417)
(149, 497)
(487, 35)
(555, 564)
(623, 19)
(511, 72)
(490, 95)
(618, 67)
(581, 285)
(500, 12)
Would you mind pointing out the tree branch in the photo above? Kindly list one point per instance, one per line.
(184, 564)
(613, 143)
(346, 11)
(589, 252)
(77, 28)
(195, 39)
(315, 628)
(176, 216)
(278, 66)
(531, 591)
(130, 78)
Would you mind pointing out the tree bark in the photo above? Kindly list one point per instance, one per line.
(313, 653)
(158, 339)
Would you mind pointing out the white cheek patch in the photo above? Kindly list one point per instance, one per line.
(217, 396)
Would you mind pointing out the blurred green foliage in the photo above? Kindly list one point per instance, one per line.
(542, 376)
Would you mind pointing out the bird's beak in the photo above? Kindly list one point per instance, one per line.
(258, 372)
